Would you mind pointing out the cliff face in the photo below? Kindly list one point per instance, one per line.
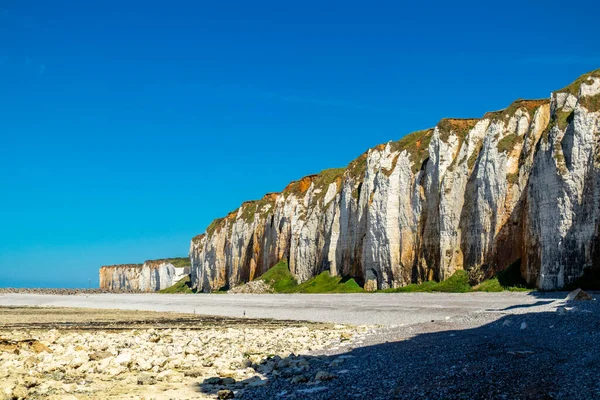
(152, 276)
(475, 194)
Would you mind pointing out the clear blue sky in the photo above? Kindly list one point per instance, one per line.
(126, 127)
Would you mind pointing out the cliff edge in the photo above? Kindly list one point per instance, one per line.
(517, 185)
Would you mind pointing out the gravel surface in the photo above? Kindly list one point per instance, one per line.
(426, 346)
(543, 351)
(356, 309)
(60, 291)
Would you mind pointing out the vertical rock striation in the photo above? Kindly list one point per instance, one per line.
(520, 184)
(152, 276)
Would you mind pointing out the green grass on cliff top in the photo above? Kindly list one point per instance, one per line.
(183, 286)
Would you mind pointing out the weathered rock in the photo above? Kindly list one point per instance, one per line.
(225, 394)
(579, 295)
(14, 346)
(146, 379)
(324, 376)
(124, 358)
(254, 287)
(523, 325)
(520, 185)
(20, 392)
(299, 379)
(153, 275)
(99, 355)
(83, 364)
(257, 383)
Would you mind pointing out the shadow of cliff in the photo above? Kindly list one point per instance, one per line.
(555, 356)
(516, 307)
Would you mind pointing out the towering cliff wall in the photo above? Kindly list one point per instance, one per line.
(474, 194)
(152, 276)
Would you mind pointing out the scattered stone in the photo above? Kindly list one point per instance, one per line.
(253, 287)
(578, 295)
(84, 364)
(57, 376)
(299, 379)
(523, 325)
(20, 392)
(324, 376)
(146, 379)
(124, 358)
(225, 394)
(213, 381)
(99, 355)
(14, 346)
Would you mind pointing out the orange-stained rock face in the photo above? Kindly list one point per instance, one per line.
(271, 196)
(305, 183)
(473, 194)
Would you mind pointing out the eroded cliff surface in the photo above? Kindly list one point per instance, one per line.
(475, 194)
(151, 276)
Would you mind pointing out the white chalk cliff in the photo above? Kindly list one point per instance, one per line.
(152, 276)
(521, 184)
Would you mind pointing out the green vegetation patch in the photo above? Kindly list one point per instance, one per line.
(282, 281)
(574, 87)
(416, 145)
(358, 167)
(591, 103)
(529, 105)
(183, 286)
(178, 262)
(249, 209)
(509, 142)
(326, 178)
(214, 226)
(562, 119)
(512, 178)
(457, 283)
(325, 283)
(508, 279)
(474, 156)
(280, 278)
(460, 127)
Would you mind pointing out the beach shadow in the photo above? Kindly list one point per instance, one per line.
(554, 356)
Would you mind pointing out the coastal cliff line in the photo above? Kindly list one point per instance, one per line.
(519, 186)
(151, 276)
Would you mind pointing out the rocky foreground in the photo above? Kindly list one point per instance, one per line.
(467, 348)
(93, 360)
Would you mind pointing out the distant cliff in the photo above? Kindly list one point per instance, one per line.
(517, 185)
(151, 276)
